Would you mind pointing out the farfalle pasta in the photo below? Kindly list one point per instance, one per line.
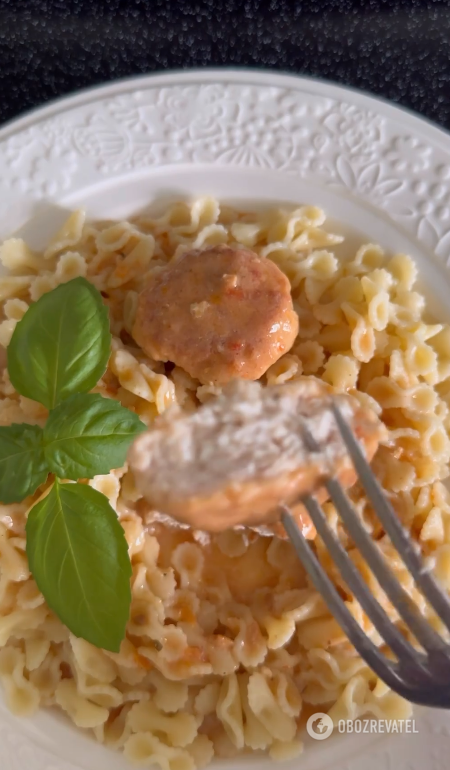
(228, 646)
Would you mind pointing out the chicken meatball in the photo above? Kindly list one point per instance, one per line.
(219, 313)
(235, 460)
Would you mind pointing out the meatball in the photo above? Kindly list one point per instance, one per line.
(238, 457)
(219, 313)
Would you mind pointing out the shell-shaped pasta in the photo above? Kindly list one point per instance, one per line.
(363, 341)
(368, 258)
(42, 284)
(93, 661)
(115, 237)
(433, 528)
(269, 712)
(211, 235)
(311, 355)
(334, 338)
(170, 697)
(14, 563)
(332, 668)
(351, 702)
(178, 729)
(320, 265)
(283, 370)
(15, 308)
(105, 695)
(421, 359)
(67, 236)
(309, 326)
(378, 311)
(341, 372)
(201, 750)
(116, 731)
(108, 485)
(130, 309)
(287, 694)
(81, 711)
(13, 286)
(395, 475)
(381, 278)
(70, 265)
(367, 402)
(350, 289)
(328, 313)
(206, 701)
(188, 561)
(245, 233)
(256, 736)
(229, 710)
(18, 621)
(15, 255)
(404, 271)
(388, 394)
(36, 649)
(134, 264)
(385, 704)
(146, 749)
(279, 630)
(161, 387)
(126, 368)
(21, 696)
(6, 331)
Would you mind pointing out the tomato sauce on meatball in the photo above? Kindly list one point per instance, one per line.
(219, 313)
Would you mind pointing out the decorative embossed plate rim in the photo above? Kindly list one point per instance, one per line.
(248, 135)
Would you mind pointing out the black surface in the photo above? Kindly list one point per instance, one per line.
(399, 49)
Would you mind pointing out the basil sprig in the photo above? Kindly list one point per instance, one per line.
(87, 435)
(78, 555)
(62, 344)
(23, 467)
(76, 548)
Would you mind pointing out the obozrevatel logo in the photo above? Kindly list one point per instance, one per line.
(319, 726)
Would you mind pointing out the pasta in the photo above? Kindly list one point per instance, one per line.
(228, 645)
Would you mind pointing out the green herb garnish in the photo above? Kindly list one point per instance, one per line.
(76, 548)
(62, 344)
(23, 467)
(88, 435)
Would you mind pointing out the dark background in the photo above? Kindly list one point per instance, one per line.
(399, 49)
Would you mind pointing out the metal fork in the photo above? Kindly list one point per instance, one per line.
(419, 675)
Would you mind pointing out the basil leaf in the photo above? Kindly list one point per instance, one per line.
(62, 344)
(22, 463)
(78, 556)
(87, 435)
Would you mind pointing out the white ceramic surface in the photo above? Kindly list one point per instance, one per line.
(238, 135)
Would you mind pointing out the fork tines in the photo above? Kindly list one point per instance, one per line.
(416, 670)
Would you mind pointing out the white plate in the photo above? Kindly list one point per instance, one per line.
(236, 135)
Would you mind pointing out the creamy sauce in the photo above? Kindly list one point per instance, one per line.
(245, 574)
(219, 313)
